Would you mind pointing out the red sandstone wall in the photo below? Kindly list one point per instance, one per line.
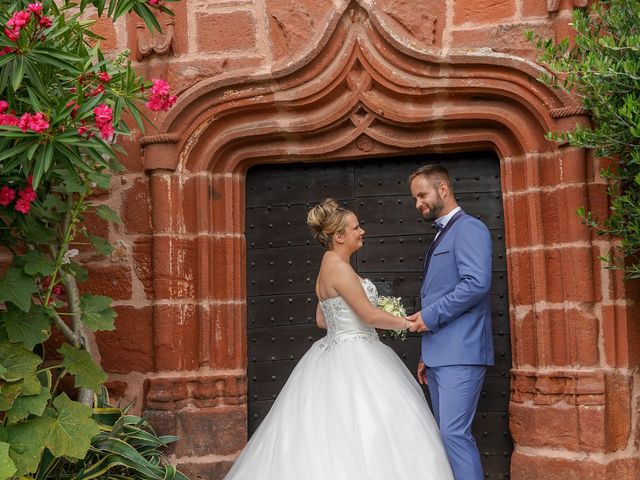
(576, 350)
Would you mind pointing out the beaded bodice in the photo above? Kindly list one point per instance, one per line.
(343, 323)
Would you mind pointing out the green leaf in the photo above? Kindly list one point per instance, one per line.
(100, 245)
(80, 364)
(38, 263)
(9, 391)
(26, 443)
(17, 287)
(18, 72)
(30, 328)
(80, 273)
(107, 213)
(97, 313)
(23, 406)
(37, 232)
(7, 467)
(102, 180)
(17, 361)
(71, 430)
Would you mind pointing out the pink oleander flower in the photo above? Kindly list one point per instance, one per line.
(159, 98)
(96, 91)
(154, 2)
(82, 130)
(36, 123)
(27, 194)
(12, 35)
(9, 119)
(22, 206)
(5, 50)
(6, 195)
(57, 290)
(160, 87)
(3, 106)
(103, 114)
(107, 131)
(45, 22)
(35, 8)
(104, 77)
(74, 110)
(19, 19)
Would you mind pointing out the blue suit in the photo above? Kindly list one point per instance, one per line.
(456, 308)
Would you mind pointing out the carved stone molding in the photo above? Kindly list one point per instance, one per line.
(565, 112)
(154, 43)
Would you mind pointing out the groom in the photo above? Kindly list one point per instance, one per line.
(457, 344)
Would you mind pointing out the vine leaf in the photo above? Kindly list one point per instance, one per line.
(26, 440)
(38, 263)
(29, 328)
(25, 405)
(97, 313)
(7, 467)
(70, 428)
(80, 364)
(17, 287)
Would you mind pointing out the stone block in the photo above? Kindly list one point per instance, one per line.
(176, 341)
(143, 264)
(417, 22)
(226, 32)
(136, 207)
(217, 431)
(111, 280)
(294, 25)
(212, 470)
(482, 12)
(129, 347)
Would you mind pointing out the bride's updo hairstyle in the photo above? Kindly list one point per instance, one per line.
(325, 220)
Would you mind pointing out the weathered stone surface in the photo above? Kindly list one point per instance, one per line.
(225, 32)
(136, 207)
(130, 347)
(143, 264)
(218, 431)
(111, 280)
(292, 25)
(205, 471)
(482, 11)
(419, 22)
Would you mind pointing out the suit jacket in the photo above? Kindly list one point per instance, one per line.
(456, 304)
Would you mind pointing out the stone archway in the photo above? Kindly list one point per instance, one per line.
(365, 93)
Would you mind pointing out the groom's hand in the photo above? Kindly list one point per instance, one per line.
(422, 373)
(416, 324)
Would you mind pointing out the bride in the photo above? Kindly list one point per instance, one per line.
(350, 409)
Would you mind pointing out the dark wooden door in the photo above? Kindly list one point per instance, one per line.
(283, 261)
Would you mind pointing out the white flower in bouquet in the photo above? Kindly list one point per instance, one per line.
(393, 305)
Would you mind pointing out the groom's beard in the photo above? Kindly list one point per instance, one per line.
(435, 210)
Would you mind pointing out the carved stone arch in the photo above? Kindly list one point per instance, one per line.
(364, 93)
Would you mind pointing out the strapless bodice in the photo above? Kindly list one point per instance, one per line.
(343, 323)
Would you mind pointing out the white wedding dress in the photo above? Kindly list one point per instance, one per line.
(349, 411)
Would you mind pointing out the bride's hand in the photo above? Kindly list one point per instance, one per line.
(416, 324)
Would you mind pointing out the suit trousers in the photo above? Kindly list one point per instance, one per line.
(454, 391)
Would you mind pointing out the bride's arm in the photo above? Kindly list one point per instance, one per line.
(348, 286)
(320, 318)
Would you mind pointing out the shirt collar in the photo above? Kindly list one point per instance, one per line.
(445, 219)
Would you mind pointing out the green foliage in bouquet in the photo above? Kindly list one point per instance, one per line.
(394, 306)
(62, 105)
(603, 69)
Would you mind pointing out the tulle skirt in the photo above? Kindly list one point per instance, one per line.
(352, 411)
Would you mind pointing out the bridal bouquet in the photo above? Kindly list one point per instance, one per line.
(393, 305)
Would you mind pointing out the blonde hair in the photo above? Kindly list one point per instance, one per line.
(326, 220)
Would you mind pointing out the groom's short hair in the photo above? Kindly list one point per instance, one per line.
(435, 174)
